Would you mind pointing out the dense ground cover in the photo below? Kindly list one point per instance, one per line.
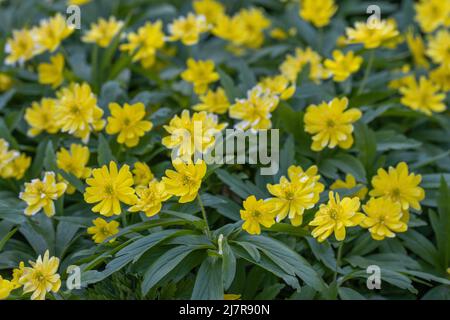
(101, 195)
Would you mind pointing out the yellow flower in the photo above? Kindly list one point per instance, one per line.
(77, 112)
(6, 287)
(253, 23)
(318, 12)
(51, 32)
(16, 168)
(384, 217)
(342, 66)
(441, 77)
(17, 274)
(431, 14)
(186, 181)
(417, 49)
(294, 196)
(109, 188)
(42, 117)
(142, 174)
(210, 9)
(6, 156)
(200, 74)
(21, 47)
(103, 229)
(128, 123)
(5, 82)
(257, 213)
(189, 135)
(399, 186)
(213, 101)
(423, 96)
(373, 36)
(150, 198)
(188, 29)
(41, 277)
(439, 48)
(244, 30)
(278, 85)
(103, 32)
(402, 81)
(330, 124)
(77, 2)
(144, 44)
(230, 29)
(278, 34)
(40, 194)
(230, 296)
(52, 73)
(294, 64)
(335, 216)
(350, 183)
(74, 162)
(255, 111)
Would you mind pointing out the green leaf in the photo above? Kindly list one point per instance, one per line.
(270, 292)
(228, 265)
(286, 258)
(239, 187)
(323, 252)
(162, 266)
(5, 239)
(265, 263)
(391, 140)
(6, 134)
(433, 180)
(6, 97)
(420, 245)
(366, 145)
(104, 151)
(441, 225)
(251, 249)
(228, 85)
(349, 164)
(350, 294)
(74, 181)
(209, 283)
(223, 205)
(50, 158)
(134, 251)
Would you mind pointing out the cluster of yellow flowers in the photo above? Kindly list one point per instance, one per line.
(113, 189)
(39, 279)
(386, 212)
(13, 164)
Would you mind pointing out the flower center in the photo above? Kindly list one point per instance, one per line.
(104, 231)
(289, 195)
(330, 123)
(186, 180)
(39, 276)
(395, 193)
(256, 214)
(333, 213)
(109, 189)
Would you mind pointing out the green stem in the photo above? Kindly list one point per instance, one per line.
(367, 71)
(338, 260)
(321, 39)
(207, 230)
(123, 217)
